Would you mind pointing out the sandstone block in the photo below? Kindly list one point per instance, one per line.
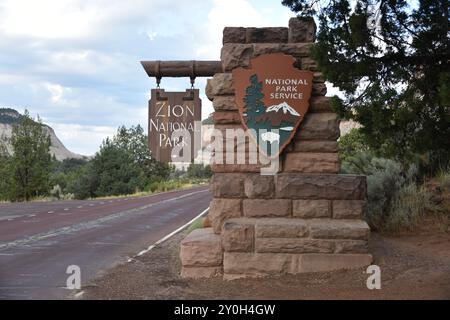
(235, 168)
(316, 262)
(224, 103)
(265, 48)
(221, 210)
(351, 246)
(320, 104)
(310, 162)
(238, 235)
(319, 126)
(339, 229)
(200, 272)
(315, 146)
(319, 89)
(258, 186)
(228, 185)
(245, 162)
(281, 228)
(348, 209)
(201, 248)
(266, 207)
(219, 85)
(239, 55)
(302, 30)
(226, 117)
(236, 55)
(234, 35)
(308, 209)
(297, 50)
(320, 186)
(233, 134)
(309, 64)
(266, 35)
(318, 77)
(293, 245)
(258, 264)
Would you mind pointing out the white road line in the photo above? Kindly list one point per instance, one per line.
(66, 209)
(51, 212)
(79, 207)
(168, 236)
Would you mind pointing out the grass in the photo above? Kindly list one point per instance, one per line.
(155, 187)
(197, 224)
(443, 179)
(160, 186)
(410, 204)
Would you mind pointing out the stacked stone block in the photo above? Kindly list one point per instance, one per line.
(305, 218)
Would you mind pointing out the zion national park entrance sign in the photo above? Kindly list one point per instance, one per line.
(170, 113)
(303, 217)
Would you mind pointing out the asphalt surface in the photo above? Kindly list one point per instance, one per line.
(39, 240)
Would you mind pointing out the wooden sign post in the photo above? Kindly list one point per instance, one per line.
(174, 124)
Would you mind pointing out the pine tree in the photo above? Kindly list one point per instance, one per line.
(391, 60)
(31, 161)
(5, 172)
(254, 105)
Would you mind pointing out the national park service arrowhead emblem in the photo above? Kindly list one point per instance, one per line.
(273, 98)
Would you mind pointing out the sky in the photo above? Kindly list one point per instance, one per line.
(76, 63)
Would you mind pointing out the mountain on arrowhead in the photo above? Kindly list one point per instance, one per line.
(278, 114)
(285, 107)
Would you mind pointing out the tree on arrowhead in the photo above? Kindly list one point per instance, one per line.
(254, 105)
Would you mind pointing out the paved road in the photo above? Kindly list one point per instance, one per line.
(38, 241)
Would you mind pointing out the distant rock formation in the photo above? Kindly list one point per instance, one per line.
(8, 117)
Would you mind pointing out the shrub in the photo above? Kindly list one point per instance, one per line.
(394, 201)
(409, 204)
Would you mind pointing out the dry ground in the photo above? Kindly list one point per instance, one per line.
(413, 267)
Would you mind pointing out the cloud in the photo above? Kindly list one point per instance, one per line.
(83, 139)
(56, 91)
(76, 62)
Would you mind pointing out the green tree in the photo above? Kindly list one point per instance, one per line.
(5, 172)
(31, 160)
(134, 141)
(116, 171)
(197, 170)
(82, 182)
(391, 61)
(254, 105)
(351, 144)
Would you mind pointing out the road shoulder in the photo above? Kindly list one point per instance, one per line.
(409, 271)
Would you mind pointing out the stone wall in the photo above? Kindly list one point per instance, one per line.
(305, 218)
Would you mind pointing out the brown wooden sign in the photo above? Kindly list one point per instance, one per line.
(174, 123)
(273, 98)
